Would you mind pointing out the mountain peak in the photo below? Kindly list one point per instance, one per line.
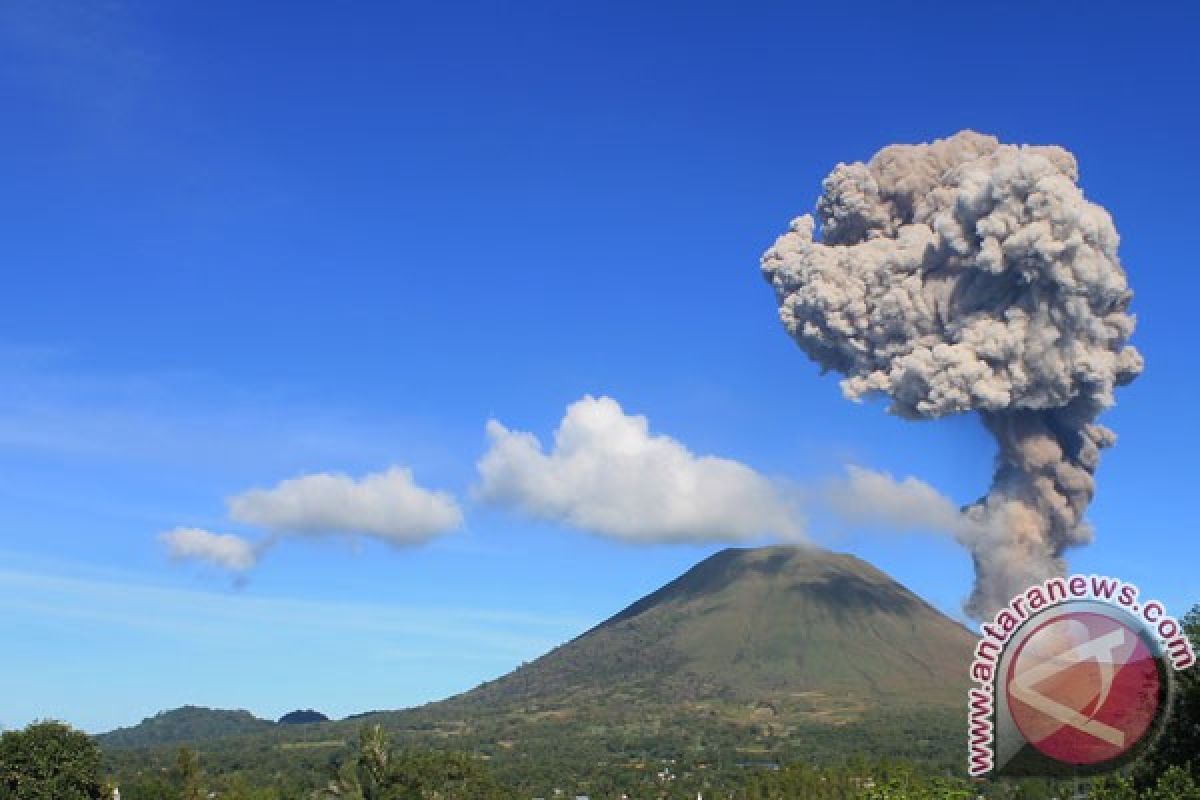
(835, 579)
(752, 625)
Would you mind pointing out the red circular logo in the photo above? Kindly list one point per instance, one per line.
(1084, 688)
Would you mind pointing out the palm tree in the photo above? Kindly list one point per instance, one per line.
(366, 776)
(374, 761)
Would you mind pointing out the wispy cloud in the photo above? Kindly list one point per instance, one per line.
(91, 57)
(183, 420)
(225, 550)
(150, 645)
(865, 497)
(240, 617)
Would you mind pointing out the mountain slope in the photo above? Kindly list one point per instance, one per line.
(792, 628)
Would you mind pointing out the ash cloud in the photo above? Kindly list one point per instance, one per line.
(966, 275)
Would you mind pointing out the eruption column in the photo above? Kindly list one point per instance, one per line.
(969, 275)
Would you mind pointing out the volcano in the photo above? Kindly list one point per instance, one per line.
(791, 630)
(787, 652)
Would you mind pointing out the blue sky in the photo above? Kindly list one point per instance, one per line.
(250, 242)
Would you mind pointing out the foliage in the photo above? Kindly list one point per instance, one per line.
(883, 781)
(187, 775)
(378, 772)
(49, 761)
(1175, 783)
(593, 749)
(1179, 744)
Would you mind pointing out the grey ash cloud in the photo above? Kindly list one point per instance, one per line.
(966, 275)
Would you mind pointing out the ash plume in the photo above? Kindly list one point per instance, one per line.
(969, 275)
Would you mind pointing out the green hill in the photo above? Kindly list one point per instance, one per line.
(190, 724)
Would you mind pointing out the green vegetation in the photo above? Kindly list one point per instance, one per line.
(614, 753)
(1179, 744)
(50, 761)
(187, 725)
(378, 772)
(303, 717)
(1175, 783)
(861, 781)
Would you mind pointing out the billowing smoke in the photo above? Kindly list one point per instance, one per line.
(968, 275)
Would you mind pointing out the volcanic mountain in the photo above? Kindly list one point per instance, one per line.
(798, 631)
(773, 652)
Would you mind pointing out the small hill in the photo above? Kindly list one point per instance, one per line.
(305, 717)
(190, 724)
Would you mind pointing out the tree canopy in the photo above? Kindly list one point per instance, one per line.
(49, 761)
(1179, 743)
(378, 772)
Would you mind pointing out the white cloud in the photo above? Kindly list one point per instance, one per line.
(385, 505)
(222, 549)
(876, 499)
(609, 475)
